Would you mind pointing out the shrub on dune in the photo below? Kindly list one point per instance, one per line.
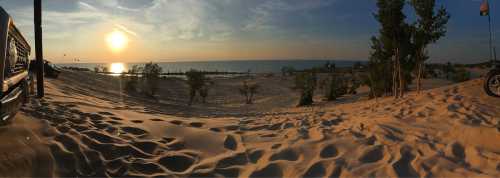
(306, 83)
(132, 81)
(151, 75)
(460, 75)
(197, 83)
(248, 90)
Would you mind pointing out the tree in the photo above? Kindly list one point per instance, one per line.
(306, 83)
(287, 70)
(448, 70)
(430, 27)
(394, 39)
(204, 93)
(133, 78)
(331, 93)
(248, 90)
(196, 81)
(151, 74)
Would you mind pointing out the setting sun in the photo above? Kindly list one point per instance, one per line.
(117, 41)
(117, 68)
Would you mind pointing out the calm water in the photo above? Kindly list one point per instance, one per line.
(255, 66)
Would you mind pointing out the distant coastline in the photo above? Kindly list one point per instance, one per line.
(255, 66)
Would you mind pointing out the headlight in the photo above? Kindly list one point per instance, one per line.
(12, 55)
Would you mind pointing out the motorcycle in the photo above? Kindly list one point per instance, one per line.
(492, 82)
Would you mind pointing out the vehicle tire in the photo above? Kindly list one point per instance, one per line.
(492, 83)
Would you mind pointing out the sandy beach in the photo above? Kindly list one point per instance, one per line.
(84, 127)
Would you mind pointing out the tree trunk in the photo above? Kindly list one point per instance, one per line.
(420, 62)
(419, 77)
(400, 76)
(192, 94)
(394, 78)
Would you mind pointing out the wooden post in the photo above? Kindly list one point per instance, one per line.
(39, 47)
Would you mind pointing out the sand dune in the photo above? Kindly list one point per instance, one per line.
(452, 131)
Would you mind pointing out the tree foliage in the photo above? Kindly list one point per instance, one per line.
(151, 74)
(248, 89)
(305, 82)
(430, 27)
(400, 47)
(197, 82)
(132, 82)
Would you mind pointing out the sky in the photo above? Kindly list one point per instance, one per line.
(198, 30)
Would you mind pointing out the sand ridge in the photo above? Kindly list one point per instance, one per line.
(446, 132)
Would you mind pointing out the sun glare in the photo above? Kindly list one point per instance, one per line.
(117, 41)
(117, 68)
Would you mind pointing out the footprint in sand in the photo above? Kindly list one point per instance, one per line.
(166, 140)
(215, 129)
(455, 151)
(271, 170)
(275, 126)
(286, 154)
(101, 137)
(403, 166)
(64, 159)
(116, 167)
(134, 130)
(116, 118)
(372, 154)
(80, 128)
(63, 128)
(228, 172)
(230, 143)
(329, 152)
(137, 121)
(96, 117)
(272, 135)
(176, 145)
(276, 146)
(106, 113)
(288, 125)
(233, 160)
(100, 125)
(196, 124)
(146, 168)
(114, 122)
(111, 130)
(316, 170)
(176, 122)
(156, 120)
(146, 146)
(176, 163)
(232, 127)
(255, 155)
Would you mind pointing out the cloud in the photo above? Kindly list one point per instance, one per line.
(265, 15)
(189, 20)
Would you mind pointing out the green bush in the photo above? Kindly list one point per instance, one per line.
(204, 93)
(460, 75)
(197, 83)
(151, 74)
(132, 81)
(248, 90)
(306, 83)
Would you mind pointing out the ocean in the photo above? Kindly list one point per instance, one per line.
(255, 66)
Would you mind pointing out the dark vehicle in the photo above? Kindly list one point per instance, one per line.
(14, 64)
(492, 82)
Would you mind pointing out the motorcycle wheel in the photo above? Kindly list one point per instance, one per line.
(492, 83)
